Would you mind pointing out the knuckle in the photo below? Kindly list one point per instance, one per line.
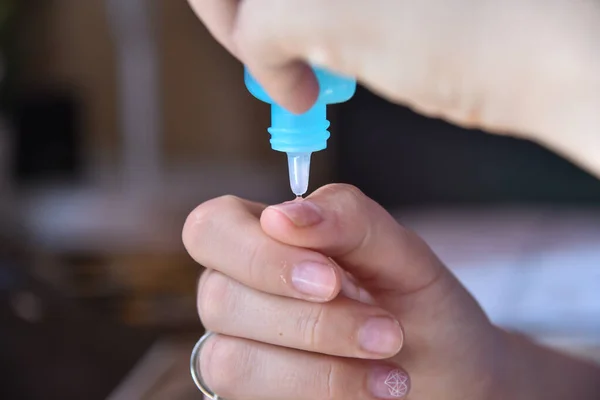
(226, 365)
(345, 193)
(256, 264)
(310, 324)
(348, 200)
(258, 34)
(214, 300)
(328, 381)
(453, 96)
(325, 379)
(251, 25)
(201, 221)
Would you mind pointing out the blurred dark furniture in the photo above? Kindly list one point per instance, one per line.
(47, 136)
(401, 158)
(64, 352)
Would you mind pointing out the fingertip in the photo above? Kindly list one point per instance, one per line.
(299, 214)
(315, 280)
(273, 220)
(293, 86)
(277, 225)
(304, 88)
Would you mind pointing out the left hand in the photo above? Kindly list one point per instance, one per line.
(293, 325)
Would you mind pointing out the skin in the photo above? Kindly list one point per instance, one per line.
(527, 68)
(276, 340)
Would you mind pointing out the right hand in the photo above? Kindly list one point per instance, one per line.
(524, 67)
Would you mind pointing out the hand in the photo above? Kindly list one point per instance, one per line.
(329, 298)
(524, 67)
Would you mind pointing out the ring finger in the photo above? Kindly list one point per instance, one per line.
(341, 327)
(244, 370)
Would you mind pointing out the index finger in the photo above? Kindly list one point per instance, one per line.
(225, 235)
(219, 18)
(341, 222)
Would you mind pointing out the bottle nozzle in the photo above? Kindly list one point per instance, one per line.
(299, 170)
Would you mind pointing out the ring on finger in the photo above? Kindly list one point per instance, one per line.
(195, 368)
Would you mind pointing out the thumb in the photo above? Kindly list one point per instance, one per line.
(341, 222)
(397, 269)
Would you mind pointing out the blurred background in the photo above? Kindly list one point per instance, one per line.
(118, 117)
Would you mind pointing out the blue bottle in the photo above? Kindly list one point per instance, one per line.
(300, 135)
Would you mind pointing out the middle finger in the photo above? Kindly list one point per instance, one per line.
(341, 327)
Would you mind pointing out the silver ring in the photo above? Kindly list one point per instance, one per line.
(195, 368)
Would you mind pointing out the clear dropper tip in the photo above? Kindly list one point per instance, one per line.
(299, 172)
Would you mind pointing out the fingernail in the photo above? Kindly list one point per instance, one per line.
(302, 213)
(381, 335)
(314, 279)
(389, 383)
(351, 290)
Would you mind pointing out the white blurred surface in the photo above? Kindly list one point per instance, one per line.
(108, 217)
(532, 270)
